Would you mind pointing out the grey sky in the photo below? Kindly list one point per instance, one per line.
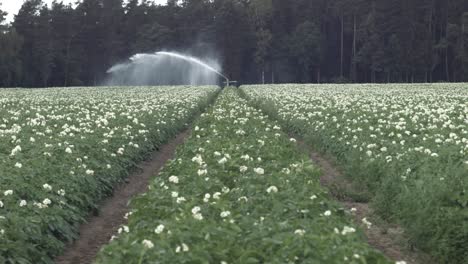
(12, 6)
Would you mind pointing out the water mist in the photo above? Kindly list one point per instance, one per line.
(165, 68)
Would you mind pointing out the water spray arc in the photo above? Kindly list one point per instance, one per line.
(166, 68)
(192, 60)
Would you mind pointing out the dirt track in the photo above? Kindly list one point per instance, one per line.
(387, 238)
(97, 231)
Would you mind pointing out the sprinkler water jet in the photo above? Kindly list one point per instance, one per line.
(166, 68)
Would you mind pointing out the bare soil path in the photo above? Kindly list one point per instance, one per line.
(97, 231)
(388, 238)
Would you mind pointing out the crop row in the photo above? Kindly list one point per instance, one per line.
(63, 150)
(238, 191)
(407, 145)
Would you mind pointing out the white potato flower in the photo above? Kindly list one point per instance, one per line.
(245, 157)
(207, 197)
(148, 244)
(159, 229)
(216, 195)
(174, 179)
(196, 209)
(198, 216)
(259, 171)
(299, 232)
(185, 248)
(367, 223)
(243, 198)
(225, 214)
(202, 172)
(272, 189)
(15, 150)
(120, 151)
(46, 201)
(347, 230)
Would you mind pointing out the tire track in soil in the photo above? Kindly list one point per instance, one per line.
(387, 238)
(98, 230)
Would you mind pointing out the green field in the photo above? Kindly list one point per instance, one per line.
(239, 190)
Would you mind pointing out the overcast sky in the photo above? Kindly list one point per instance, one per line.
(12, 6)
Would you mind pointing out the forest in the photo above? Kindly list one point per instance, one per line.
(257, 41)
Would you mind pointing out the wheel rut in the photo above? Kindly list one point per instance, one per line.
(98, 230)
(387, 238)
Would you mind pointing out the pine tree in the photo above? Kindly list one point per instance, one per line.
(10, 45)
(26, 24)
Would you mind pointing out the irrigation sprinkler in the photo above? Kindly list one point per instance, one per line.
(228, 83)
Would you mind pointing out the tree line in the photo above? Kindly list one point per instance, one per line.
(258, 41)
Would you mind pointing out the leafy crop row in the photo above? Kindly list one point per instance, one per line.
(63, 150)
(406, 144)
(238, 191)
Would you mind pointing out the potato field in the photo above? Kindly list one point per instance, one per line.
(240, 188)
